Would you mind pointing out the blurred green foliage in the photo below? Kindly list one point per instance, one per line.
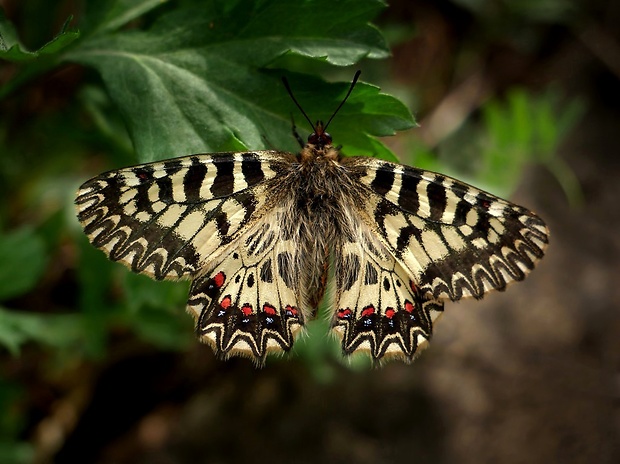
(527, 128)
(519, 129)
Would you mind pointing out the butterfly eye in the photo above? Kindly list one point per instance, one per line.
(320, 139)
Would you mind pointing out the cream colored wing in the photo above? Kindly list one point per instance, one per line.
(166, 219)
(247, 301)
(423, 238)
(379, 309)
(452, 239)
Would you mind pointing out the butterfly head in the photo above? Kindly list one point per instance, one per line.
(319, 137)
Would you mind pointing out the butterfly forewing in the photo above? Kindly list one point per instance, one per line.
(453, 239)
(166, 219)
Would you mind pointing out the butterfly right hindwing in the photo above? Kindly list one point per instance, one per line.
(379, 309)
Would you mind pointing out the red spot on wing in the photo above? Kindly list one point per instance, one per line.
(291, 311)
(226, 302)
(268, 309)
(413, 286)
(368, 311)
(344, 313)
(219, 279)
(246, 309)
(389, 313)
(409, 306)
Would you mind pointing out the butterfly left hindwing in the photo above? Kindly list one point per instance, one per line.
(247, 302)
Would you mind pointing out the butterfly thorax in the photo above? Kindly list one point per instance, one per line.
(321, 180)
(315, 198)
(317, 152)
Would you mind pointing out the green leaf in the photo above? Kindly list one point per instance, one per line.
(35, 62)
(109, 15)
(22, 261)
(140, 291)
(95, 274)
(164, 328)
(58, 330)
(156, 311)
(11, 49)
(199, 80)
(13, 448)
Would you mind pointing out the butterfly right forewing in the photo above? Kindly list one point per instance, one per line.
(454, 240)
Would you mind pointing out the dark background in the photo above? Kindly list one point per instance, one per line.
(529, 375)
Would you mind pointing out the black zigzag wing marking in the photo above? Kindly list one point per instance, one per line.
(379, 310)
(165, 218)
(239, 305)
(455, 240)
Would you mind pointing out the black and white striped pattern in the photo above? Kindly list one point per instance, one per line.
(163, 219)
(257, 233)
(454, 239)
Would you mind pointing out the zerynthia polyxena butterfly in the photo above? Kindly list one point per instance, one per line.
(263, 234)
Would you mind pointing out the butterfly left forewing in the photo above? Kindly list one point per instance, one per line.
(165, 219)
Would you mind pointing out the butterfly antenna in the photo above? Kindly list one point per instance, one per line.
(355, 78)
(290, 92)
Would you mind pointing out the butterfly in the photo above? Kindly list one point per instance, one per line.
(266, 236)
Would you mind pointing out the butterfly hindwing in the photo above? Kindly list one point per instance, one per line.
(248, 302)
(379, 309)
